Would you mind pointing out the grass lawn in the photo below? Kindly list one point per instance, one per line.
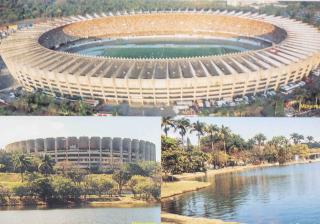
(169, 189)
(10, 180)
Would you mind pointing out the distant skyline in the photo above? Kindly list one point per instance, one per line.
(21, 128)
(249, 127)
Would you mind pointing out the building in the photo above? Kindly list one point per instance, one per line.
(291, 51)
(88, 152)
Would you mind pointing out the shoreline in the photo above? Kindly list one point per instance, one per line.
(187, 176)
(124, 202)
(189, 185)
(169, 218)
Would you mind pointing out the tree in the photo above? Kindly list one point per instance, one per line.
(21, 164)
(6, 162)
(296, 138)
(46, 165)
(121, 177)
(76, 175)
(182, 126)
(310, 139)
(64, 189)
(282, 147)
(223, 134)
(100, 184)
(166, 124)
(260, 139)
(198, 127)
(212, 130)
(218, 159)
(41, 187)
(301, 150)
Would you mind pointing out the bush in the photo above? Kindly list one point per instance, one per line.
(144, 187)
(4, 194)
(22, 190)
(64, 189)
(42, 189)
(98, 184)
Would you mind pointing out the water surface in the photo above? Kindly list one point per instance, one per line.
(81, 216)
(286, 194)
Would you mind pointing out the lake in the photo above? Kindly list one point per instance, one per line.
(82, 216)
(285, 194)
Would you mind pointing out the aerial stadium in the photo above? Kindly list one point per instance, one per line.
(88, 152)
(162, 57)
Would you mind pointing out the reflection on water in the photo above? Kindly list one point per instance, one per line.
(81, 216)
(288, 194)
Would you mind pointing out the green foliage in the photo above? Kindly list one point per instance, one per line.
(22, 190)
(221, 147)
(5, 194)
(46, 165)
(76, 175)
(42, 188)
(121, 177)
(176, 160)
(98, 184)
(64, 189)
(21, 163)
(39, 103)
(219, 159)
(145, 187)
(6, 162)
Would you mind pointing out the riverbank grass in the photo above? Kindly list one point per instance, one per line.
(169, 189)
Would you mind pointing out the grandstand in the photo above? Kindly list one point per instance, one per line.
(290, 50)
(88, 152)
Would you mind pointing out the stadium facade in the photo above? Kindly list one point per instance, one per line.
(88, 152)
(293, 51)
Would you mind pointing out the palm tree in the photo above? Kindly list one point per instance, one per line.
(166, 124)
(46, 165)
(223, 134)
(211, 130)
(199, 128)
(296, 138)
(260, 139)
(310, 139)
(182, 125)
(21, 163)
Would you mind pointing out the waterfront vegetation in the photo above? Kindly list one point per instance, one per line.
(219, 147)
(38, 180)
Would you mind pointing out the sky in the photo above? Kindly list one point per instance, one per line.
(21, 128)
(249, 127)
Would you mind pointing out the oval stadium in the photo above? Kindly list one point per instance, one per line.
(88, 152)
(162, 57)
